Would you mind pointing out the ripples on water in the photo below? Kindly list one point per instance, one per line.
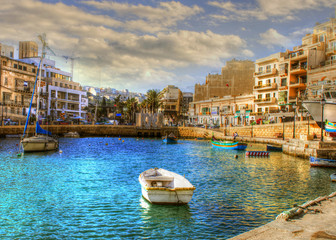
(91, 190)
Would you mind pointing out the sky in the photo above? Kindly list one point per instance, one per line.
(142, 45)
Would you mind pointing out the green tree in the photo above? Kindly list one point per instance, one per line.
(132, 107)
(153, 100)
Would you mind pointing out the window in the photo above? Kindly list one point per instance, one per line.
(20, 67)
(56, 84)
(274, 80)
(15, 65)
(321, 38)
(268, 81)
(260, 96)
(33, 70)
(6, 81)
(259, 83)
(283, 81)
(259, 110)
(266, 109)
(268, 96)
(274, 94)
(268, 68)
(260, 69)
(24, 68)
(61, 84)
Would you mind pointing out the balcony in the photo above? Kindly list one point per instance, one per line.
(298, 69)
(266, 73)
(300, 83)
(22, 89)
(296, 56)
(283, 88)
(265, 87)
(331, 51)
(265, 101)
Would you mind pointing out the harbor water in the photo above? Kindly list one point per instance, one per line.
(91, 190)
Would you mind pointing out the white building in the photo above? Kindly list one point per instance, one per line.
(61, 97)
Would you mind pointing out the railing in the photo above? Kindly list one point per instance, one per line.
(267, 72)
(265, 100)
(266, 86)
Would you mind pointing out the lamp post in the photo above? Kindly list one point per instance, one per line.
(294, 107)
(323, 101)
(283, 127)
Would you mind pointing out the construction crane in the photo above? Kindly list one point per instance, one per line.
(72, 59)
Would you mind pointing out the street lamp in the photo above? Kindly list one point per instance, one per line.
(283, 127)
(294, 107)
(323, 102)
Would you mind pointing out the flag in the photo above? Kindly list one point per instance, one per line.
(25, 84)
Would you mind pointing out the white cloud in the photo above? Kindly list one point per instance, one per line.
(272, 38)
(266, 9)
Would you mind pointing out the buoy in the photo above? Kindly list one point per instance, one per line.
(236, 156)
(119, 139)
(123, 141)
(19, 155)
(17, 144)
(60, 151)
(106, 144)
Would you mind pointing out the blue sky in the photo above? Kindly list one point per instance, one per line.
(142, 45)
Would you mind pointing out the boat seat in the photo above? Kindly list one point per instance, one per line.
(159, 178)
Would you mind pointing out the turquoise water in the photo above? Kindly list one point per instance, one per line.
(91, 190)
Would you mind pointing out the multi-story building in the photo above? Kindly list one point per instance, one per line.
(7, 51)
(17, 80)
(228, 110)
(171, 104)
(236, 78)
(266, 84)
(28, 49)
(61, 97)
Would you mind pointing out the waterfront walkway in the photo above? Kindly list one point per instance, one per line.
(319, 222)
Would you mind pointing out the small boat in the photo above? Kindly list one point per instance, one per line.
(159, 186)
(333, 177)
(42, 140)
(171, 138)
(71, 135)
(273, 148)
(230, 145)
(322, 162)
(330, 127)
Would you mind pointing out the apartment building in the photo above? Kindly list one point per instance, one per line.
(225, 111)
(266, 84)
(61, 98)
(17, 80)
(171, 104)
(7, 51)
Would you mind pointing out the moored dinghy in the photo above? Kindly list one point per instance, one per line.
(229, 145)
(171, 138)
(322, 162)
(160, 186)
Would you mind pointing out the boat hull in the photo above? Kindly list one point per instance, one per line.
(229, 145)
(333, 177)
(315, 109)
(159, 186)
(322, 162)
(39, 144)
(274, 148)
(169, 140)
(166, 196)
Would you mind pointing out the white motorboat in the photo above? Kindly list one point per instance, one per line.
(315, 93)
(160, 186)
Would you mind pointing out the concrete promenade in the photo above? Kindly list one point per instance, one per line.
(317, 222)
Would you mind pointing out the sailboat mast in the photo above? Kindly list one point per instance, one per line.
(38, 87)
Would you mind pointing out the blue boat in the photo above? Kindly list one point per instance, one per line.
(273, 148)
(322, 162)
(169, 139)
(228, 145)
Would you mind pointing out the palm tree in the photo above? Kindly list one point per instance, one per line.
(153, 100)
(132, 106)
